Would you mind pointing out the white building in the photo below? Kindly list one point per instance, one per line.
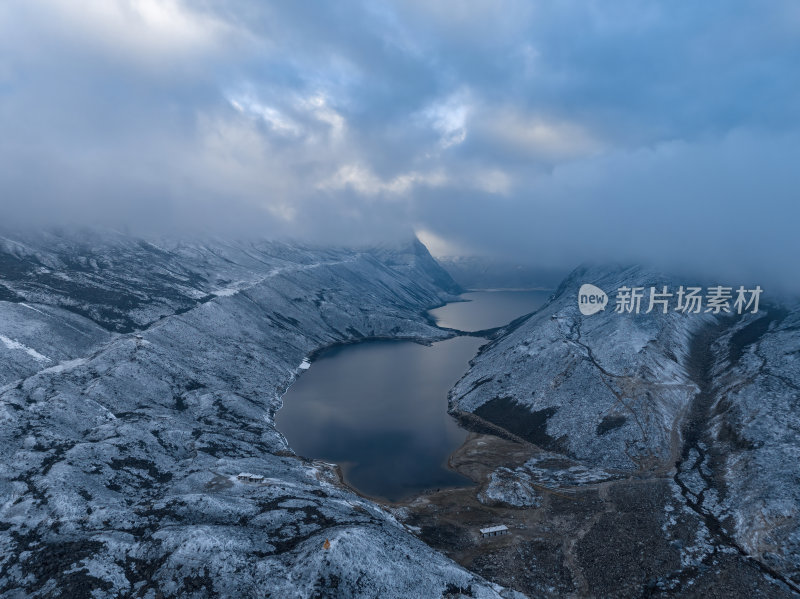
(494, 531)
(250, 478)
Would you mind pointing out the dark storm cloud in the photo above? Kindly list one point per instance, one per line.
(552, 132)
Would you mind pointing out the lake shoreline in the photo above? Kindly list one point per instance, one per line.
(379, 403)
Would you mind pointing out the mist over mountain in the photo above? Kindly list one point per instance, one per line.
(546, 134)
(199, 201)
(476, 272)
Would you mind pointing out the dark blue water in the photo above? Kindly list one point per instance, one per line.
(488, 309)
(379, 410)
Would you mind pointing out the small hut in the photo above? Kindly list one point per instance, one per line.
(246, 477)
(493, 531)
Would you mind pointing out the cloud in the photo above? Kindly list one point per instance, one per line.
(145, 33)
(532, 137)
(551, 132)
(363, 181)
(721, 209)
(448, 118)
(274, 118)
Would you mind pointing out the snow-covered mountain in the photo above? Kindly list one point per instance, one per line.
(607, 388)
(754, 433)
(702, 410)
(140, 378)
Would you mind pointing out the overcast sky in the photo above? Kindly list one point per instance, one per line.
(554, 132)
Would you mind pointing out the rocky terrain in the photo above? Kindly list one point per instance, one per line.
(753, 440)
(140, 378)
(662, 447)
(629, 455)
(608, 388)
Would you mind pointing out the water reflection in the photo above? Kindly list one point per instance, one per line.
(379, 409)
(488, 309)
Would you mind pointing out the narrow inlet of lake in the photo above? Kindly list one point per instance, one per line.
(488, 309)
(379, 408)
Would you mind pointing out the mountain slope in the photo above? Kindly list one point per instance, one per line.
(755, 431)
(164, 367)
(696, 412)
(607, 389)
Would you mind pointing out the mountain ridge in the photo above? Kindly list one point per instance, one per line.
(121, 452)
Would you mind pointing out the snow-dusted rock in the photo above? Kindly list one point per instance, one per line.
(710, 403)
(756, 426)
(608, 388)
(119, 452)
